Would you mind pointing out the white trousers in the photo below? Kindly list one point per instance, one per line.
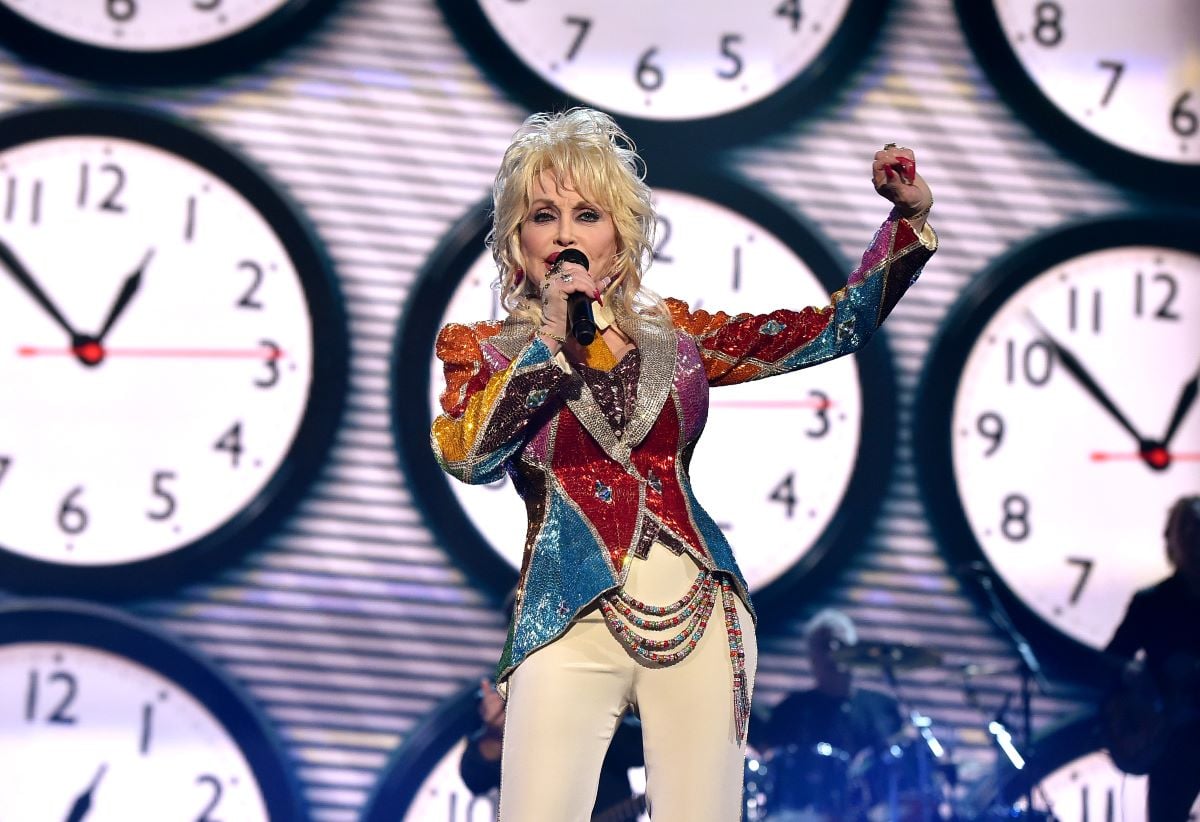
(564, 702)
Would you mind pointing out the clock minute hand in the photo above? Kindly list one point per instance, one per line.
(22, 275)
(128, 289)
(1186, 397)
(1076, 369)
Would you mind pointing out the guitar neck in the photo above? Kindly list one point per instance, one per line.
(627, 810)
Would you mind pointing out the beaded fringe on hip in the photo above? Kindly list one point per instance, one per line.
(626, 615)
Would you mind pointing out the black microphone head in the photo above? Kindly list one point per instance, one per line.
(573, 255)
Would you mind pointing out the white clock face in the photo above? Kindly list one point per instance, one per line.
(1129, 73)
(85, 733)
(1091, 787)
(1066, 502)
(181, 389)
(443, 796)
(777, 505)
(145, 25)
(664, 61)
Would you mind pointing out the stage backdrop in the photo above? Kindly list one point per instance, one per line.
(328, 217)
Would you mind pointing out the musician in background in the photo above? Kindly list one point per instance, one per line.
(480, 763)
(834, 712)
(615, 799)
(1159, 634)
(814, 741)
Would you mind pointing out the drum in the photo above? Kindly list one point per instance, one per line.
(797, 783)
(901, 783)
(1069, 776)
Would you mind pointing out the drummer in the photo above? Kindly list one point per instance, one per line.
(836, 713)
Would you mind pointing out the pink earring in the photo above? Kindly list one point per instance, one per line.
(518, 276)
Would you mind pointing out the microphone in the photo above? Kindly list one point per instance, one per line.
(975, 568)
(580, 321)
(978, 571)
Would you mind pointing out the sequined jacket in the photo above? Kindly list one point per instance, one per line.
(595, 499)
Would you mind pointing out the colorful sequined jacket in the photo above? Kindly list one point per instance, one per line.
(595, 499)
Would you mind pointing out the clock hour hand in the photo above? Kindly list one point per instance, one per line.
(1076, 369)
(1186, 398)
(83, 803)
(128, 289)
(22, 276)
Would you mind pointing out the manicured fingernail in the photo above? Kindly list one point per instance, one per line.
(908, 168)
(888, 171)
(599, 299)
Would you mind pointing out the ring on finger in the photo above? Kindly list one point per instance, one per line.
(566, 277)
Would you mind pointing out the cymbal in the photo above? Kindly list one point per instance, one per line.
(888, 654)
(970, 669)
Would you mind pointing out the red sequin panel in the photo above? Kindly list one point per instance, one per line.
(735, 338)
(598, 485)
(656, 456)
(909, 256)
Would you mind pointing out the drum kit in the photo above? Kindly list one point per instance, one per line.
(906, 778)
(1089, 768)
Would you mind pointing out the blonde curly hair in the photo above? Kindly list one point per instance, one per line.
(590, 151)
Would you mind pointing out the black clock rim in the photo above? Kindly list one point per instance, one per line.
(432, 488)
(107, 629)
(1058, 651)
(802, 96)
(424, 748)
(245, 529)
(285, 25)
(1004, 69)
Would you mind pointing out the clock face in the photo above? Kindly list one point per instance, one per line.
(1060, 406)
(1091, 787)
(136, 38)
(422, 781)
(1074, 780)
(781, 516)
(658, 65)
(162, 327)
(442, 795)
(1118, 82)
(122, 719)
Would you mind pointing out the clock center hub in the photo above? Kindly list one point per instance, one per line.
(89, 351)
(1157, 457)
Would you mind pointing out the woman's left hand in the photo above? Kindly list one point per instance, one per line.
(895, 176)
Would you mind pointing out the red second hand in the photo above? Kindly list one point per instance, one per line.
(772, 404)
(1112, 456)
(186, 353)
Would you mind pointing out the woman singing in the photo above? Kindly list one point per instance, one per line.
(629, 595)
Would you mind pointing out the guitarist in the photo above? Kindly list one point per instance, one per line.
(615, 800)
(1160, 638)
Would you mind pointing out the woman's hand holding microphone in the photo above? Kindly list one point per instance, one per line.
(565, 277)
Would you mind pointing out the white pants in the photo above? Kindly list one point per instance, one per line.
(564, 702)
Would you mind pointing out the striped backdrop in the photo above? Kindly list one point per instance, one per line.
(352, 623)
